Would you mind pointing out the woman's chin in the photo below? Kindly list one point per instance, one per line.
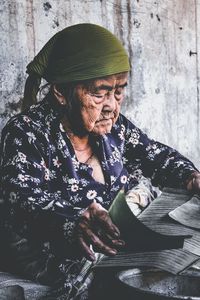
(103, 127)
(100, 130)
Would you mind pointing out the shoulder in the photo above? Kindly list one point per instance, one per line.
(32, 119)
(124, 126)
(123, 121)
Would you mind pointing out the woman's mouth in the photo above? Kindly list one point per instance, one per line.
(106, 120)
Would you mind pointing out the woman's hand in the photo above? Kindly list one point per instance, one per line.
(193, 183)
(95, 228)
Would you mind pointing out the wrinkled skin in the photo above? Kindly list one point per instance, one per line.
(100, 106)
(96, 228)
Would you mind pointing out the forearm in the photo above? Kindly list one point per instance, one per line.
(170, 168)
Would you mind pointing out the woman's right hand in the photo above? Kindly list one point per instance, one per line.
(96, 228)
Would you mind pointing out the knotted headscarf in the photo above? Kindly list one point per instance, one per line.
(79, 52)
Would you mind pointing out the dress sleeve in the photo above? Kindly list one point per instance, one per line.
(163, 164)
(25, 184)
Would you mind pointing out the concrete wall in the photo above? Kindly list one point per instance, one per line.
(161, 37)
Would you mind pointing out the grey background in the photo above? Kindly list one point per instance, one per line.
(162, 38)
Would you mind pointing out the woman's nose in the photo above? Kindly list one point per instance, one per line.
(110, 101)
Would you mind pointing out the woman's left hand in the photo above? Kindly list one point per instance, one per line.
(193, 183)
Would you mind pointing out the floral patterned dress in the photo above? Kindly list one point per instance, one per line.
(45, 188)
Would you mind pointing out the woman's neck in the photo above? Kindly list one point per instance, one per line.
(82, 148)
(81, 145)
(78, 141)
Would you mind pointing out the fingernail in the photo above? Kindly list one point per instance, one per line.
(118, 242)
(113, 252)
(122, 243)
(116, 234)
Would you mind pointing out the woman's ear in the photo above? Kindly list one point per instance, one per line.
(61, 99)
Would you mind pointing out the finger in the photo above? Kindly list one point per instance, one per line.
(88, 253)
(84, 229)
(105, 221)
(196, 184)
(118, 243)
(108, 239)
(190, 185)
(98, 243)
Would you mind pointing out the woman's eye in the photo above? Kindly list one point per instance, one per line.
(99, 96)
(119, 91)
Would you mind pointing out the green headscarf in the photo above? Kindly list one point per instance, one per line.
(79, 52)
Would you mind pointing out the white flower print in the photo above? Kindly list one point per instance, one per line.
(157, 151)
(152, 147)
(61, 143)
(49, 205)
(72, 181)
(74, 188)
(48, 123)
(68, 228)
(31, 137)
(137, 174)
(47, 137)
(47, 174)
(17, 142)
(134, 137)
(31, 199)
(100, 199)
(115, 188)
(13, 197)
(65, 178)
(75, 163)
(22, 177)
(179, 163)
(75, 199)
(123, 179)
(121, 133)
(43, 163)
(116, 155)
(91, 194)
(61, 127)
(22, 157)
(56, 162)
(133, 140)
(37, 190)
(112, 179)
(84, 182)
(59, 204)
(52, 174)
(124, 160)
(26, 119)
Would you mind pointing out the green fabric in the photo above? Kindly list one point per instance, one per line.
(80, 52)
(121, 214)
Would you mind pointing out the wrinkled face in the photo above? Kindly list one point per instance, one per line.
(100, 103)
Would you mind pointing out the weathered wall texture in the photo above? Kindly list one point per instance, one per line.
(161, 37)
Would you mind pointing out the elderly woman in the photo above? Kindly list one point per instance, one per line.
(65, 158)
